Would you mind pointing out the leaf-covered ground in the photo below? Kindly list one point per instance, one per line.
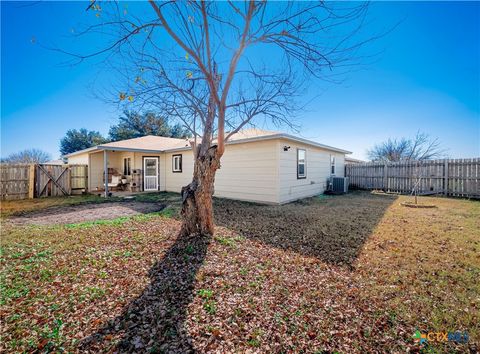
(354, 273)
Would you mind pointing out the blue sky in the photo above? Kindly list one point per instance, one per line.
(427, 79)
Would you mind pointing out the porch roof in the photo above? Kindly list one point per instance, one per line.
(147, 144)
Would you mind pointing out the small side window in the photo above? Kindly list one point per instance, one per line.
(126, 166)
(332, 164)
(177, 163)
(301, 164)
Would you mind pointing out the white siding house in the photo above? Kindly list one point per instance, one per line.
(259, 166)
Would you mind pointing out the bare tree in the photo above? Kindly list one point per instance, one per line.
(219, 66)
(420, 147)
(28, 156)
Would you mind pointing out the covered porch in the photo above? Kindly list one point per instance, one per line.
(124, 172)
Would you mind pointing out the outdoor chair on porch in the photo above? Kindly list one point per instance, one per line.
(117, 183)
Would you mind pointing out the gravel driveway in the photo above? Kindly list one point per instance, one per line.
(85, 212)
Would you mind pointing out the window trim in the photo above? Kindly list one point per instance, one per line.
(127, 167)
(180, 163)
(304, 176)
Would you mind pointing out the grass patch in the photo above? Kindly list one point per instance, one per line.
(166, 213)
(226, 241)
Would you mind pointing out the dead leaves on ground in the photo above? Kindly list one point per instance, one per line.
(137, 287)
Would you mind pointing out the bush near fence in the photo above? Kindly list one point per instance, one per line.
(21, 181)
(451, 177)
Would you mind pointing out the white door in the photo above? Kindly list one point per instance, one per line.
(150, 173)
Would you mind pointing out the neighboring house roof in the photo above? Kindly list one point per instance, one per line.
(352, 160)
(54, 162)
(157, 144)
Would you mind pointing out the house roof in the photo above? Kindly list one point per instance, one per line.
(254, 134)
(155, 144)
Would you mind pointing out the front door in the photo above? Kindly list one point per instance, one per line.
(150, 173)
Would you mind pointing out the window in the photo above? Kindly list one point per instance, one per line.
(332, 164)
(126, 166)
(301, 169)
(177, 163)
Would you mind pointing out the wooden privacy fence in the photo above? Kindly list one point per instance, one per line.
(22, 181)
(15, 181)
(452, 177)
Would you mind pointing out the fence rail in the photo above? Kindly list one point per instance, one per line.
(452, 177)
(21, 181)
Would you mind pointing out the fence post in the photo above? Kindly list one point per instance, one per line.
(445, 178)
(69, 180)
(385, 177)
(31, 182)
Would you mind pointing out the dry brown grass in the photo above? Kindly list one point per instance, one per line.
(355, 273)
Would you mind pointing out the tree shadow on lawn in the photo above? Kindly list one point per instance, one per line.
(333, 229)
(330, 228)
(154, 321)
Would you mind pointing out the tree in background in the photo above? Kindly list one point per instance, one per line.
(75, 140)
(28, 156)
(218, 66)
(420, 147)
(135, 125)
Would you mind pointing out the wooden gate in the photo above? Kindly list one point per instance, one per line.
(20, 181)
(52, 180)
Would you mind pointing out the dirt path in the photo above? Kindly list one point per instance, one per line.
(85, 212)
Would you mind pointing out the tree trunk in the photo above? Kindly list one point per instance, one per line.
(197, 208)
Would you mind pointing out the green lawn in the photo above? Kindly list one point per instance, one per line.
(353, 273)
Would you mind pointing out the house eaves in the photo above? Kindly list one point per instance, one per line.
(271, 137)
(112, 148)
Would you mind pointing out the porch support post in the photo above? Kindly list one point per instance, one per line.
(105, 171)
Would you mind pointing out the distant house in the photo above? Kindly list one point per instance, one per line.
(352, 161)
(54, 162)
(258, 165)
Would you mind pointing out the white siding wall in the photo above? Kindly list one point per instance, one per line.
(95, 171)
(248, 172)
(81, 159)
(174, 181)
(317, 168)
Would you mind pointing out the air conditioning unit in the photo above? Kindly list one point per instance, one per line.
(337, 185)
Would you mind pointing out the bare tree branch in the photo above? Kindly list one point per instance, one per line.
(420, 147)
